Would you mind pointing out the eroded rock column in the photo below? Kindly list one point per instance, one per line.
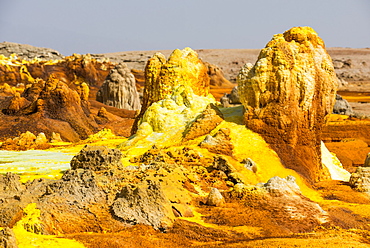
(287, 95)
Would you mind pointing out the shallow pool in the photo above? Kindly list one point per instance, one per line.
(35, 162)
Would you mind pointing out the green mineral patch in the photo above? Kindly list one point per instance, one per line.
(35, 163)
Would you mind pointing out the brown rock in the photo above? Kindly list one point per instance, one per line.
(7, 238)
(215, 198)
(55, 100)
(220, 143)
(367, 161)
(97, 158)
(216, 76)
(210, 118)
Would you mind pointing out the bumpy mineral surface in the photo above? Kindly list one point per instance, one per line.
(287, 94)
(176, 81)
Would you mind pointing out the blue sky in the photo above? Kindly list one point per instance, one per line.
(96, 26)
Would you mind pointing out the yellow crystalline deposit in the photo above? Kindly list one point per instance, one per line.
(183, 71)
(176, 92)
(332, 163)
(183, 67)
(288, 69)
(28, 229)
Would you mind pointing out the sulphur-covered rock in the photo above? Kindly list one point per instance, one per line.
(119, 89)
(175, 95)
(177, 78)
(287, 95)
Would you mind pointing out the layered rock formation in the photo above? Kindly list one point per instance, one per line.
(53, 99)
(28, 52)
(287, 94)
(119, 89)
(70, 69)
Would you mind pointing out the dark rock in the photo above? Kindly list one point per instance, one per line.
(77, 186)
(221, 163)
(119, 89)
(249, 164)
(7, 238)
(144, 204)
(367, 161)
(97, 158)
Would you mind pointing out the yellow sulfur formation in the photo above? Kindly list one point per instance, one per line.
(28, 229)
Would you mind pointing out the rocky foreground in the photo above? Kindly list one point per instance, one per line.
(251, 171)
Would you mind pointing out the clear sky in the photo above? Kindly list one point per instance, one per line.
(102, 26)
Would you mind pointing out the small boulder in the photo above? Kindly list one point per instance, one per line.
(220, 143)
(342, 106)
(41, 139)
(97, 158)
(360, 180)
(144, 204)
(367, 161)
(210, 118)
(249, 164)
(215, 198)
(55, 138)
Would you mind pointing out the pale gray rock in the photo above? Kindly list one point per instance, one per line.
(230, 98)
(360, 180)
(234, 96)
(342, 107)
(277, 186)
(28, 52)
(119, 89)
(144, 204)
